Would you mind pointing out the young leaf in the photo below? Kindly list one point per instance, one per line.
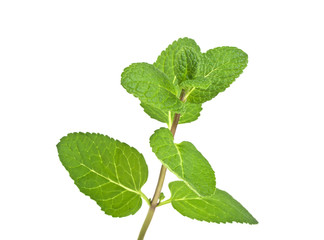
(162, 196)
(221, 66)
(166, 61)
(151, 86)
(219, 207)
(108, 171)
(185, 161)
(192, 113)
(186, 64)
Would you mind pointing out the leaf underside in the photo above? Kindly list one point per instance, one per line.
(107, 170)
(185, 161)
(218, 208)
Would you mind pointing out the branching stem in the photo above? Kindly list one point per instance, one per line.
(155, 199)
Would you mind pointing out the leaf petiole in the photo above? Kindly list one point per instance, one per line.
(145, 198)
(164, 202)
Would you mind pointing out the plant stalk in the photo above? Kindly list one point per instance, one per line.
(158, 189)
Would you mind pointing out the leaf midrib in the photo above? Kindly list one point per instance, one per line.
(224, 63)
(108, 179)
(219, 201)
(92, 170)
(181, 160)
(216, 68)
(157, 84)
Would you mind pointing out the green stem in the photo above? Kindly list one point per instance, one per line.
(164, 202)
(155, 199)
(145, 198)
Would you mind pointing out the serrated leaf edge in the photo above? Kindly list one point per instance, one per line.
(138, 192)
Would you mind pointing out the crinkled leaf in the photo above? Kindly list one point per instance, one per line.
(110, 172)
(185, 161)
(166, 61)
(155, 113)
(151, 86)
(192, 113)
(186, 64)
(199, 82)
(221, 66)
(219, 207)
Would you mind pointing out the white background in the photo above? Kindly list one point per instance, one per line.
(60, 66)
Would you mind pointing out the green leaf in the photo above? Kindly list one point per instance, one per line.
(162, 196)
(151, 86)
(221, 66)
(219, 207)
(166, 61)
(155, 113)
(199, 82)
(186, 64)
(108, 171)
(192, 113)
(185, 161)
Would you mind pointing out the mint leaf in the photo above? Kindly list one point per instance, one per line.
(162, 196)
(199, 82)
(192, 112)
(186, 64)
(221, 66)
(185, 161)
(217, 68)
(156, 113)
(151, 86)
(219, 207)
(166, 61)
(107, 170)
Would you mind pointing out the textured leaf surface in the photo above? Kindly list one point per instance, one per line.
(156, 113)
(219, 207)
(199, 82)
(110, 172)
(221, 66)
(185, 161)
(166, 61)
(151, 86)
(192, 113)
(186, 64)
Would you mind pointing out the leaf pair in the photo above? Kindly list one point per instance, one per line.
(183, 66)
(196, 196)
(112, 173)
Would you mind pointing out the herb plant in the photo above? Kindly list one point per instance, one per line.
(171, 90)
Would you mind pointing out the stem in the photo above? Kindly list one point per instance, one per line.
(159, 185)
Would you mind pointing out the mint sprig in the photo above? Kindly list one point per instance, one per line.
(172, 91)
